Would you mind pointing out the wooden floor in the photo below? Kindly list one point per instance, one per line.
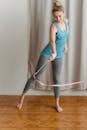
(38, 113)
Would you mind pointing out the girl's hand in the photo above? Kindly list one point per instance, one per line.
(52, 57)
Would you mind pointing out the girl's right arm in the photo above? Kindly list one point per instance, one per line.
(53, 31)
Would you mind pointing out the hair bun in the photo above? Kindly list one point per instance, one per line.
(56, 3)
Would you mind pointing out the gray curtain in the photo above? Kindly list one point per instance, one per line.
(75, 61)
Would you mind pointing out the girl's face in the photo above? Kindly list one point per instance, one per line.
(58, 16)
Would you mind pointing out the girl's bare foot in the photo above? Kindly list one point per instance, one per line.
(19, 106)
(59, 109)
(57, 104)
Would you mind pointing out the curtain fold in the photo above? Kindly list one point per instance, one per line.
(83, 63)
(75, 61)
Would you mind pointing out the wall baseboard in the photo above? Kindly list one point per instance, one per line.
(43, 92)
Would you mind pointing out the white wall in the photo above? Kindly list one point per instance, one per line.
(14, 40)
(13, 45)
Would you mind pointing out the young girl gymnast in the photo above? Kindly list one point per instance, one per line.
(53, 52)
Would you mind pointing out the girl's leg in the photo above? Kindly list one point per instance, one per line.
(42, 60)
(57, 66)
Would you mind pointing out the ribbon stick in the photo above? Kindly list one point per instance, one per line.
(55, 85)
(60, 85)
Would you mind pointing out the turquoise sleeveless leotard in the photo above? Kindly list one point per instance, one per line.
(61, 39)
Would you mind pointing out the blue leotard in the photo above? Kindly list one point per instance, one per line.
(61, 39)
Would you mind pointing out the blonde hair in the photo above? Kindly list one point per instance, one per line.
(57, 6)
